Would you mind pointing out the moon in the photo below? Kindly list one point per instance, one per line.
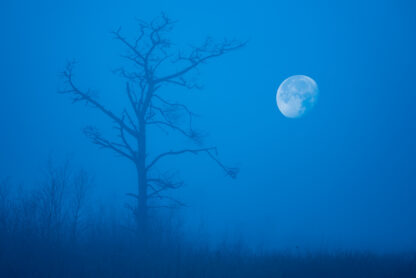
(296, 95)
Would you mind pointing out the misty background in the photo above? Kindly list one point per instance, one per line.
(343, 176)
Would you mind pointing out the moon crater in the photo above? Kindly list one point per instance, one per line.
(296, 95)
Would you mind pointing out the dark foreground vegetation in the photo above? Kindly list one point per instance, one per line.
(52, 231)
(118, 257)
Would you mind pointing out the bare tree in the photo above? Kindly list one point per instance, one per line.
(81, 185)
(52, 198)
(147, 54)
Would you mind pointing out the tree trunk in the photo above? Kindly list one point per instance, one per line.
(142, 213)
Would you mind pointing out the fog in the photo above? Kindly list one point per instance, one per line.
(339, 178)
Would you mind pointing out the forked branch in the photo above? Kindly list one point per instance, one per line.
(96, 138)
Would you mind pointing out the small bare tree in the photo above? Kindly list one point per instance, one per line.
(149, 53)
(81, 185)
(52, 199)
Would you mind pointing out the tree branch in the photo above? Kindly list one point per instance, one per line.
(197, 57)
(98, 139)
(190, 134)
(82, 96)
(130, 46)
(232, 172)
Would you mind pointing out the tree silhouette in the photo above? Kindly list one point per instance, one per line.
(150, 51)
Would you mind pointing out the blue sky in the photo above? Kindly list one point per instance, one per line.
(342, 176)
